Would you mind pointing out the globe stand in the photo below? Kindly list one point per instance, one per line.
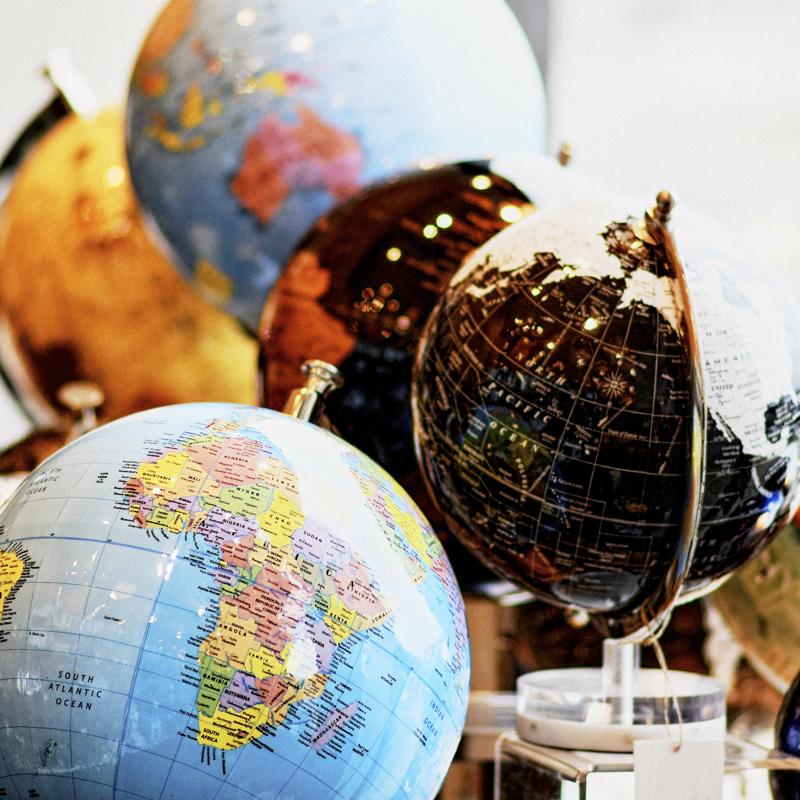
(610, 708)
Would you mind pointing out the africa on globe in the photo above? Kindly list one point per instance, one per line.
(210, 599)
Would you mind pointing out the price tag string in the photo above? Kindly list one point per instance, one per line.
(669, 695)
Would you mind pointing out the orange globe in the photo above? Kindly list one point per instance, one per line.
(84, 294)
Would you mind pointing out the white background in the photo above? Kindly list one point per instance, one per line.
(102, 37)
(701, 96)
(697, 96)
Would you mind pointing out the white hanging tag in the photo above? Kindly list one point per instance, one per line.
(694, 772)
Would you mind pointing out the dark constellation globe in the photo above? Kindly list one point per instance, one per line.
(554, 410)
(361, 284)
(746, 317)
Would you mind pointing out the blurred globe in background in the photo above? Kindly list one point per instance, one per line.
(761, 606)
(85, 295)
(360, 285)
(207, 600)
(247, 121)
(552, 410)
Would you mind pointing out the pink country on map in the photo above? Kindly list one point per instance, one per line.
(247, 122)
(281, 157)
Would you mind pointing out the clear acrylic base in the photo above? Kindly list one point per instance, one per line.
(526, 771)
(574, 709)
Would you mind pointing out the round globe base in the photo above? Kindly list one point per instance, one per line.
(573, 709)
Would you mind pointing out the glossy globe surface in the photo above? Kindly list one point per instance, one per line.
(553, 416)
(247, 123)
(212, 599)
(360, 286)
(85, 295)
(761, 606)
(785, 784)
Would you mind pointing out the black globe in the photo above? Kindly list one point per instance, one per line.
(554, 420)
(361, 284)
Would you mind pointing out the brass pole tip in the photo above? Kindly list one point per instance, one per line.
(324, 372)
(577, 617)
(306, 402)
(80, 396)
(565, 154)
(665, 202)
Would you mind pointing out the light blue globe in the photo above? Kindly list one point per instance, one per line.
(207, 601)
(246, 121)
